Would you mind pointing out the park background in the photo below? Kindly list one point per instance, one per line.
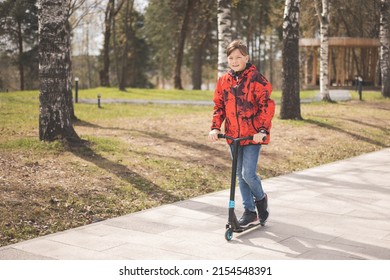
(140, 43)
(139, 156)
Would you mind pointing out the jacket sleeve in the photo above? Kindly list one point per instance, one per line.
(219, 113)
(267, 106)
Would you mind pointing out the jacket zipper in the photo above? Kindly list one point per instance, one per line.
(235, 93)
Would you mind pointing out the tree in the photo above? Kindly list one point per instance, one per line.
(180, 46)
(130, 49)
(110, 12)
(224, 33)
(127, 22)
(161, 38)
(251, 19)
(166, 40)
(83, 18)
(54, 64)
(18, 20)
(200, 42)
(290, 101)
(323, 16)
(108, 17)
(358, 18)
(384, 37)
(259, 23)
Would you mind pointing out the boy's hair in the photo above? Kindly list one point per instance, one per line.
(237, 44)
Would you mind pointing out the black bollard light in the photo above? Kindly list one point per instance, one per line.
(99, 96)
(76, 80)
(360, 88)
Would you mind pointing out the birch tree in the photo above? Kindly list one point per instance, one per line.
(224, 34)
(290, 102)
(384, 37)
(322, 9)
(54, 64)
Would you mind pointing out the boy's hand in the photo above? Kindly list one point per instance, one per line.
(213, 135)
(259, 137)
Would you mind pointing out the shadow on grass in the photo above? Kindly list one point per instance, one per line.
(382, 128)
(196, 144)
(86, 124)
(155, 192)
(191, 144)
(354, 135)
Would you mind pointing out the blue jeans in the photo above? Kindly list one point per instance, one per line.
(248, 181)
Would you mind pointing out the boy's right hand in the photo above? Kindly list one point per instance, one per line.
(213, 135)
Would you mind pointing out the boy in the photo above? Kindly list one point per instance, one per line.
(242, 101)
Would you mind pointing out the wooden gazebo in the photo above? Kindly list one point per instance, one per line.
(348, 58)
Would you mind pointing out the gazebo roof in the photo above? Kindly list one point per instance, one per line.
(341, 42)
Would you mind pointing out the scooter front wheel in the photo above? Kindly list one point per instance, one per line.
(229, 234)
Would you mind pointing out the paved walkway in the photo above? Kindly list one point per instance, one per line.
(335, 95)
(335, 211)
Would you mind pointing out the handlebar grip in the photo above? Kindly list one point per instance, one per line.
(235, 139)
(239, 139)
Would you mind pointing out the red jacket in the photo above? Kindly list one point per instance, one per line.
(243, 102)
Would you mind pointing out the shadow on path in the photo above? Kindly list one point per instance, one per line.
(298, 241)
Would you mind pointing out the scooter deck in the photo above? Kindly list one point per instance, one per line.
(242, 229)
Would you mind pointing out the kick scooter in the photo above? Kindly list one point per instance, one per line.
(232, 224)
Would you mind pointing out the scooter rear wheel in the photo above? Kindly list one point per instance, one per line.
(229, 234)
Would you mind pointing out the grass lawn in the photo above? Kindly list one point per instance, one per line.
(142, 156)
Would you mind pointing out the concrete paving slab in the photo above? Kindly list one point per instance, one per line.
(15, 254)
(338, 211)
(56, 250)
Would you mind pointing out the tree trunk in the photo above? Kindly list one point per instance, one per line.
(323, 15)
(197, 60)
(54, 72)
(21, 66)
(197, 68)
(271, 60)
(105, 72)
(116, 51)
(290, 101)
(384, 37)
(224, 33)
(180, 47)
(128, 23)
(88, 57)
(68, 61)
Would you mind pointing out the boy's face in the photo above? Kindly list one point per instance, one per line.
(237, 61)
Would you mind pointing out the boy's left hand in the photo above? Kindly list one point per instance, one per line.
(259, 137)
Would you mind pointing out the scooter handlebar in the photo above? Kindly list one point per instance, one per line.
(238, 139)
(235, 139)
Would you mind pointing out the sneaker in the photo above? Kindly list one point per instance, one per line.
(262, 209)
(247, 219)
